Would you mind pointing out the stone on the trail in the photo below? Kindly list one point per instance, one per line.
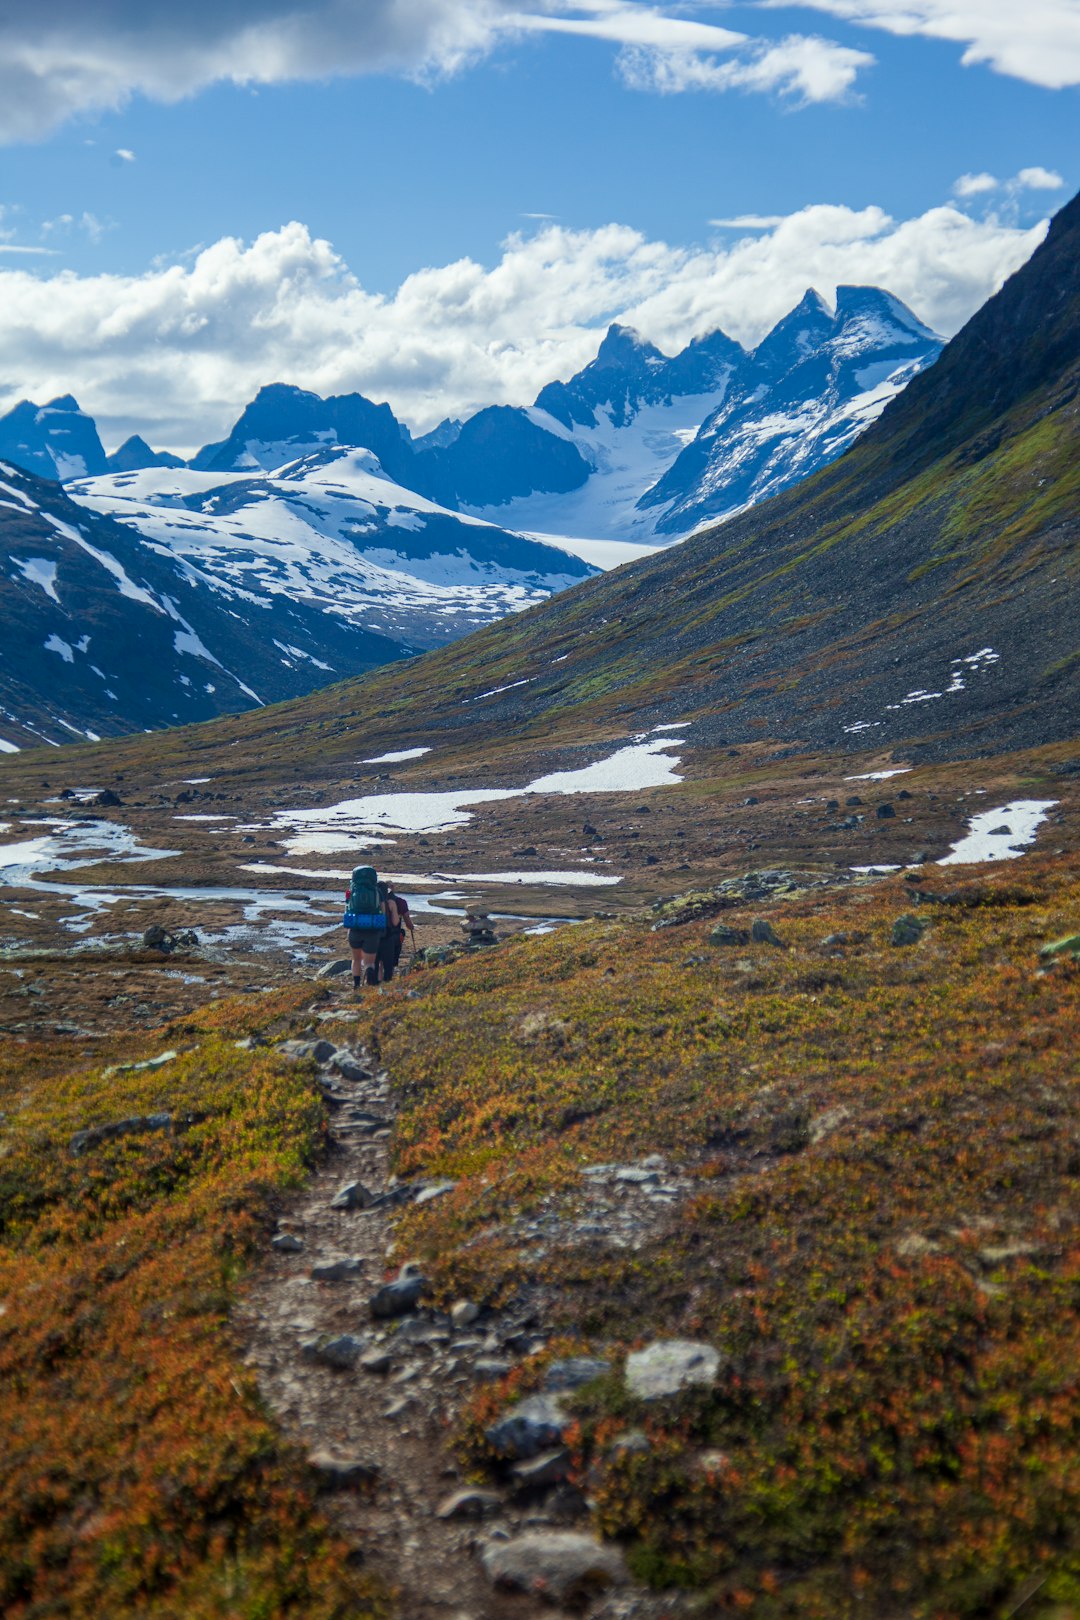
(536, 1425)
(417, 1331)
(634, 1176)
(549, 1468)
(351, 1068)
(469, 1503)
(337, 1270)
(723, 935)
(558, 1565)
(338, 1470)
(156, 938)
(332, 970)
(435, 1190)
(486, 1369)
(762, 932)
(668, 1366)
(573, 1371)
(299, 1051)
(287, 1243)
(376, 1360)
(1058, 949)
(341, 1352)
(463, 1313)
(353, 1195)
(907, 930)
(397, 1298)
(884, 811)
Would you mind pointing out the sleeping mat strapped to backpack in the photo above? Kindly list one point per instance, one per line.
(366, 910)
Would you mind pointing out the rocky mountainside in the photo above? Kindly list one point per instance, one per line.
(220, 593)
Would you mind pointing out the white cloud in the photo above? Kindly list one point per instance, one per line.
(749, 222)
(71, 57)
(125, 154)
(176, 352)
(1040, 179)
(975, 185)
(808, 69)
(1036, 40)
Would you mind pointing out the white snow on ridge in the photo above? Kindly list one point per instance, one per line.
(39, 571)
(1000, 835)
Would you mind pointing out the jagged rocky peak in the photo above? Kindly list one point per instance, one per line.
(283, 422)
(873, 305)
(134, 455)
(805, 328)
(57, 440)
(624, 346)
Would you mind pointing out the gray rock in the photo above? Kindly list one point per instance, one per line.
(574, 1371)
(397, 1298)
(762, 932)
(633, 1177)
(884, 812)
(558, 1565)
(464, 1312)
(301, 1051)
(341, 1353)
(907, 930)
(136, 1125)
(287, 1243)
(435, 1190)
(548, 1468)
(723, 935)
(353, 1195)
(670, 1365)
(333, 970)
(469, 1503)
(488, 1368)
(337, 1270)
(376, 1360)
(536, 1425)
(338, 1470)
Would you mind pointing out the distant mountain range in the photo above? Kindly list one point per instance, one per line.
(637, 446)
(320, 538)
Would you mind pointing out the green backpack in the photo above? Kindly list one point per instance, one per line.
(366, 910)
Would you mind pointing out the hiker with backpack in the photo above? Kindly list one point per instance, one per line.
(365, 918)
(389, 948)
(405, 923)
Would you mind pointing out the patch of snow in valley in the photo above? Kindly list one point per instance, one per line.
(66, 848)
(56, 645)
(395, 756)
(880, 776)
(1000, 835)
(9, 747)
(628, 770)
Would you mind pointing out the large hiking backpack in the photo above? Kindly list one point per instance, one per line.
(365, 908)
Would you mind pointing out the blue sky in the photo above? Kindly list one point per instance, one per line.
(432, 131)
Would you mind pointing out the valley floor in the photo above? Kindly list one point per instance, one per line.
(835, 1153)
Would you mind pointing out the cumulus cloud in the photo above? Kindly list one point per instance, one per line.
(1039, 179)
(1010, 192)
(975, 185)
(1038, 40)
(71, 57)
(176, 352)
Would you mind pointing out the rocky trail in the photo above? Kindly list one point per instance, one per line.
(367, 1378)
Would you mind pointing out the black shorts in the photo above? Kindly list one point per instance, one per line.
(367, 940)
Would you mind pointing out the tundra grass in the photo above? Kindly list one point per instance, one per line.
(139, 1473)
(882, 1244)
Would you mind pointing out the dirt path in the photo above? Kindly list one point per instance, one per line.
(395, 1418)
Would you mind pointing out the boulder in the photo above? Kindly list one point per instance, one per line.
(1058, 949)
(301, 1051)
(463, 1313)
(763, 932)
(470, 1503)
(723, 935)
(333, 970)
(338, 1470)
(558, 1565)
(548, 1468)
(341, 1352)
(669, 1365)
(353, 1195)
(397, 1298)
(337, 1270)
(573, 1371)
(907, 930)
(287, 1243)
(536, 1425)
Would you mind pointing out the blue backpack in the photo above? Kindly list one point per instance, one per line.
(365, 909)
